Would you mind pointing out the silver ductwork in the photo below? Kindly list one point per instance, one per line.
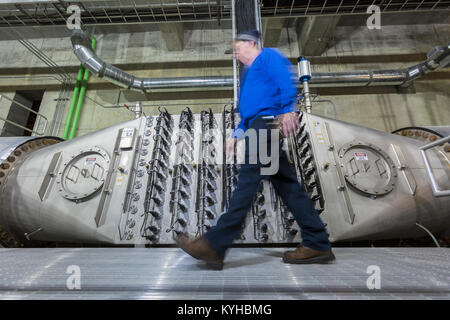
(438, 57)
(83, 51)
(359, 78)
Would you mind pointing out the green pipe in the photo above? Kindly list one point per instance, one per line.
(73, 129)
(73, 102)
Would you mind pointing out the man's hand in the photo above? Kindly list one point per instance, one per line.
(289, 123)
(230, 145)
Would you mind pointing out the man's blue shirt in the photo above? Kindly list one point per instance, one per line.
(268, 87)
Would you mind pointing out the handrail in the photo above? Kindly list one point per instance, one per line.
(437, 192)
(38, 118)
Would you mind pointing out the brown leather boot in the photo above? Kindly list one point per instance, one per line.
(303, 255)
(200, 249)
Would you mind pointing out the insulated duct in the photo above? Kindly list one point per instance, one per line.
(89, 60)
(438, 57)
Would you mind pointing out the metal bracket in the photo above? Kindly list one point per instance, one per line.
(434, 186)
(51, 174)
(28, 235)
(403, 167)
(350, 218)
(132, 176)
(106, 192)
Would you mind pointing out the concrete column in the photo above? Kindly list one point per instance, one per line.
(173, 34)
(314, 33)
(271, 29)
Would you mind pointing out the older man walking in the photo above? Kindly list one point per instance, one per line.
(268, 90)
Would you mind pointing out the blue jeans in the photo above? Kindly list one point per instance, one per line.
(313, 231)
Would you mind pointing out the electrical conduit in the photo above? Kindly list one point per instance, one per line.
(73, 102)
(76, 118)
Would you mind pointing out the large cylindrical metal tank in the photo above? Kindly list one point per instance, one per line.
(146, 180)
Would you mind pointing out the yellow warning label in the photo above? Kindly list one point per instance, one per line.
(318, 132)
(120, 179)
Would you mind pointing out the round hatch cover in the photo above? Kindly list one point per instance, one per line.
(367, 168)
(84, 174)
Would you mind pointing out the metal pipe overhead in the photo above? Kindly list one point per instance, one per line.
(438, 57)
(91, 61)
(359, 78)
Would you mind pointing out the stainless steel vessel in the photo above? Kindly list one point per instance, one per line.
(146, 180)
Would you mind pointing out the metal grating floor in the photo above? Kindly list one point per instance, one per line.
(249, 273)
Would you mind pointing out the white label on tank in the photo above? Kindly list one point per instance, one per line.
(127, 132)
(361, 156)
(126, 140)
(90, 160)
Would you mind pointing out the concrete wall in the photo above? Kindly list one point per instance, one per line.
(141, 47)
(388, 112)
(427, 105)
(95, 117)
(145, 53)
